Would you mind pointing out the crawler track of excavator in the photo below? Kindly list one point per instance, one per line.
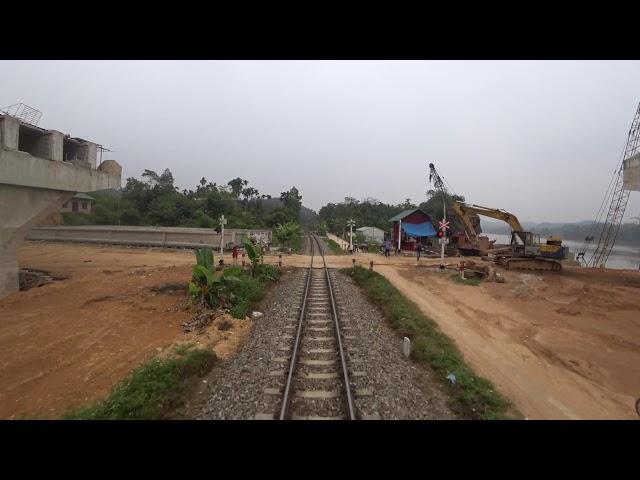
(544, 264)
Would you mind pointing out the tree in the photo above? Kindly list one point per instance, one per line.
(292, 201)
(286, 233)
(278, 217)
(249, 193)
(236, 186)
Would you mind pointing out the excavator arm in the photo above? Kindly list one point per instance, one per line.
(463, 210)
(466, 220)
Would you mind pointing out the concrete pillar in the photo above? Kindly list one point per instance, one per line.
(34, 204)
(49, 146)
(32, 188)
(9, 129)
(89, 153)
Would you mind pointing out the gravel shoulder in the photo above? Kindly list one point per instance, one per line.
(397, 389)
(401, 390)
(234, 389)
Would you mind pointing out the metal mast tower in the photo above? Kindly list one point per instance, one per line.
(619, 198)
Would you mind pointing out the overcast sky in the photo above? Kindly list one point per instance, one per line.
(539, 139)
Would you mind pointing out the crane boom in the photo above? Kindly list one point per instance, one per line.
(619, 199)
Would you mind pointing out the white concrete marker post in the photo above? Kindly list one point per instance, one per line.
(406, 347)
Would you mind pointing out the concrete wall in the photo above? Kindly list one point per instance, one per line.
(20, 168)
(149, 236)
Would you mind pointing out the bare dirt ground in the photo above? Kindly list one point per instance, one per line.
(559, 345)
(66, 344)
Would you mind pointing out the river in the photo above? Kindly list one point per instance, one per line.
(622, 257)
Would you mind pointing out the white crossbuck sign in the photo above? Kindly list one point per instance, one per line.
(444, 225)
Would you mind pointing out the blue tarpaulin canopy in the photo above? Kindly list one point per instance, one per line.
(419, 229)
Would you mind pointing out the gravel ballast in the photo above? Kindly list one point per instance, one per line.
(386, 385)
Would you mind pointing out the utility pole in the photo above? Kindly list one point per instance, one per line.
(444, 219)
(444, 225)
(351, 223)
(223, 222)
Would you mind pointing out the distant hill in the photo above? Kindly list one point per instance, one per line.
(629, 233)
(308, 217)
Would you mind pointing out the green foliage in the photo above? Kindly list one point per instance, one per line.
(292, 201)
(155, 200)
(75, 218)
(151, 389)
(286, 233)
(234, 289)
(370, 213)
(207, 288)
(373, 246)
(473, 396)
(204, 257)
(254, 253)
(279, 216)
(434, 207)
(335, 248)
(130, 217)
(322, 228)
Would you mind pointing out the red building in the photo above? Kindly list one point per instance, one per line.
(414, 226)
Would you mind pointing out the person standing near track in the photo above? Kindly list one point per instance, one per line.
(234, 254)
(419, 249)
(387, 247)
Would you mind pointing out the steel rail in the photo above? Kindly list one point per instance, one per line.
(294, 356)
(336, 323)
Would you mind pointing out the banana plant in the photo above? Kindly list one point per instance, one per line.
(205, 287)
(254, 253)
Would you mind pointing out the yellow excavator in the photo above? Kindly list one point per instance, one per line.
(526, 251)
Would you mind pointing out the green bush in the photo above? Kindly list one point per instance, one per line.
(130, 217)
(234, 289)
(335, 248)
(74, 218)
(151, 389)
(244, 294)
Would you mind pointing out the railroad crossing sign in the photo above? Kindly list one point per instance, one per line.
(444, 225)
(223, 221)
(443, 241)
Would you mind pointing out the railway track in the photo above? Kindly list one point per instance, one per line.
(317, 385)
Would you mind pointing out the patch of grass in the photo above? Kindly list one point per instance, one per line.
(474, 281)
(152, 389)
(472, 396)
(297, 243)
(248, 290)
(335, 248)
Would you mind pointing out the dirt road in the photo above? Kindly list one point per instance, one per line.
(560, 345)
(66, 344)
